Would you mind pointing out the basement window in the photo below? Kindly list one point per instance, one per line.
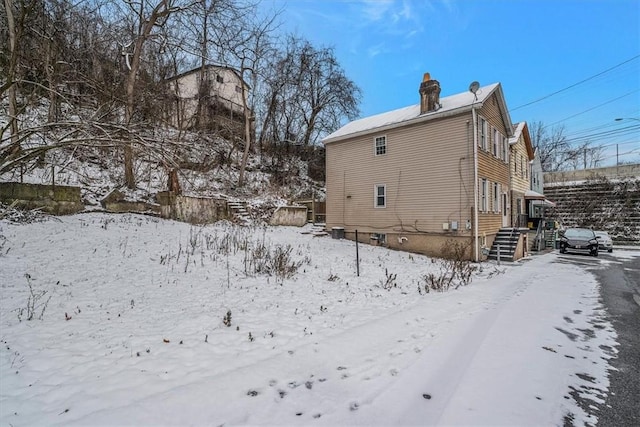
(380, 238)
(380, 143)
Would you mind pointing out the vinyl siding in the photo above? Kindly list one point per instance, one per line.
(520, 180)
(492, 168)
(427, 170)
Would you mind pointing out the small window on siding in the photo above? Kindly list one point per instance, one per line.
(505, 150)
(496, 135)
(496, 197)
(380, 196)
(483, 134)
(483, 195)
(380, 145)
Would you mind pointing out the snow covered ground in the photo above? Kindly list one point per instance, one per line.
(141, 321)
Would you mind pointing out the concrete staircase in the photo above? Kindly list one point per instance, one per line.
(238, 211)
(507, 239)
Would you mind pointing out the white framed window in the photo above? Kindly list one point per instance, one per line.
(484, 189)
(505, 150)
(496, 197)
(483, 134)
(380, 196)
(496, 134)
(380, 145)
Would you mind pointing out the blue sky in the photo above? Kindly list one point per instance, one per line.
(533, 48)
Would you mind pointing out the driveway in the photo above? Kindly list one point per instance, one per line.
(619, 276)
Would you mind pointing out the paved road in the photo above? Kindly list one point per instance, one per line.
(620, 292)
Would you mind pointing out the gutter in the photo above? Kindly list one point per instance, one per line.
(475, 182)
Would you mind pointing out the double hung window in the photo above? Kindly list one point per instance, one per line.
(380, 143)
(483, 134)
(483, 195)
(380, 196)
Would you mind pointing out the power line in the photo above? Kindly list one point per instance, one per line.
(593, 108)
(576, 84)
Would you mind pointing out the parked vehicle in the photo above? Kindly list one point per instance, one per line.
(581, 240)
(604, 241)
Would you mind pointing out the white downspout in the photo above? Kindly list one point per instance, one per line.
(475, 183)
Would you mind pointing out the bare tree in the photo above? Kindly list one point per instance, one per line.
(148, 17)
(17, 20)
(308, 94)
(557, 153)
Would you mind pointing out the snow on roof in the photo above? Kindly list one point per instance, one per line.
(406, 114)
(517, 132)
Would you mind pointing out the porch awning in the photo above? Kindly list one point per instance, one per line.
(546, 202)
(538, 199)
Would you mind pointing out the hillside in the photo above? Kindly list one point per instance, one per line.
(206, 165)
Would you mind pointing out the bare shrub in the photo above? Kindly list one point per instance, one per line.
(454, 269)
(36, 303)
(389, 281)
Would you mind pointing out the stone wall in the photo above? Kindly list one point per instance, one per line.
(290, 215)
(116, 202)
(601, 204)
(53, 199)
(194, 210)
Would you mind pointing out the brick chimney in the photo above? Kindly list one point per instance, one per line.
(429, 94)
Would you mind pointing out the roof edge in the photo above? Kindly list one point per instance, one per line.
(419, 119)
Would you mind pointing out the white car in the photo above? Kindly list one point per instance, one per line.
(604, 241)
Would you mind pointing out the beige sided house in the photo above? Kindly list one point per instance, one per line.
(221, 106)
(420, 176)
(521, 157)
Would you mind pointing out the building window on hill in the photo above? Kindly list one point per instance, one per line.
(380, 143)
(219, 78)
(380, 196)
(238, 89)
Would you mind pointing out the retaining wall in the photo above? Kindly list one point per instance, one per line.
(53, 199)
(289, 215)
(194, 210)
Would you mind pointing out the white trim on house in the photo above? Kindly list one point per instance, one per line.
(484, 190)
(377, 196)
(380, 150)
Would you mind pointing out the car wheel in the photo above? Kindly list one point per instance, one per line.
(595, 253)
(609, 250)
(562, 251)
